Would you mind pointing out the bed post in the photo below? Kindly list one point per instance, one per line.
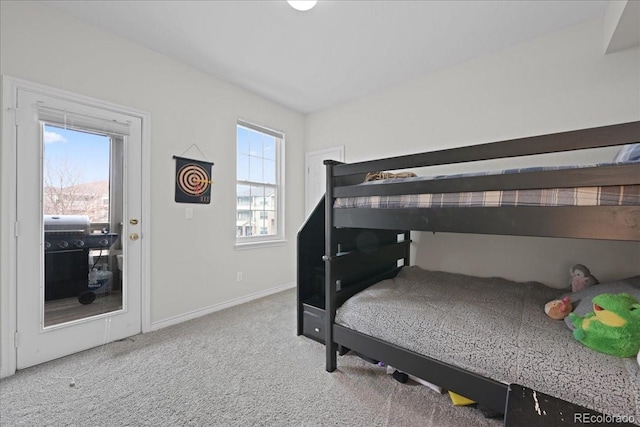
(330, 281)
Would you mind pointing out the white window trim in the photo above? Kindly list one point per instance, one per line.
(260, 244)
(258, 241)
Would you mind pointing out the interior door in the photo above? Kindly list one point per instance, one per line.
(78, 211)
(315, 183)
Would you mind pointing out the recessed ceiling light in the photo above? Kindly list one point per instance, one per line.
(302, 4)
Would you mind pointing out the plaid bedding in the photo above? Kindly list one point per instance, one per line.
(627, 195)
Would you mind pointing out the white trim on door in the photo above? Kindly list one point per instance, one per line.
(8, 297)
(314, 159)
(9, 229)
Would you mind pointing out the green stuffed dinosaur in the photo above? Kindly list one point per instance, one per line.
(613, 327)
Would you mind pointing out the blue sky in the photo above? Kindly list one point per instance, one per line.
(256, 156)
(86, 153)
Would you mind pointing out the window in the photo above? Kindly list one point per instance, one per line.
(76, 172)
(259, 189)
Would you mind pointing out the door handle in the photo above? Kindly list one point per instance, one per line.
(134, 236)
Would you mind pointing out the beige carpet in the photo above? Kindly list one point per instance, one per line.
(243, 366)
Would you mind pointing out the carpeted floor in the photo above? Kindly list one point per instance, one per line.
(243, 366)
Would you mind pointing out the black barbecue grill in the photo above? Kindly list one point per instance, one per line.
(67, 242)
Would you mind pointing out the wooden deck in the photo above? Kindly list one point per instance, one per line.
(69, 309)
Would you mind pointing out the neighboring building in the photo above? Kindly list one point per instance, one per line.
(91, 198)
(256, 214)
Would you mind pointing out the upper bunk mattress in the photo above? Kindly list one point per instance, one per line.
(495, 328)
(616, 195)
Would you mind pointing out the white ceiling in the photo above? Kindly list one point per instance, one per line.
(338, 51)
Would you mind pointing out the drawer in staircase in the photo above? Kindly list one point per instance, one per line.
(312, 308)
(313, 326)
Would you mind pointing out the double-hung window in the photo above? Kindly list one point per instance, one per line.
(259, 185)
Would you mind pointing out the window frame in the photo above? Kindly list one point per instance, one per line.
(257, 239)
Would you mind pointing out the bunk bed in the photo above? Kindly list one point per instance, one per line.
(366, 256)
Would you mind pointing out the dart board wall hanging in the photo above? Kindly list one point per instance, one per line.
(193, 180)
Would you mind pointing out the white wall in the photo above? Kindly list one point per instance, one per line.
(561, 81)
(193, 262)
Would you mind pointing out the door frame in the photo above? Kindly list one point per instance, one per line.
(8, 200)
(339, 150)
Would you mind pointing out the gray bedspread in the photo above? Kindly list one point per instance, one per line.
(495, 328)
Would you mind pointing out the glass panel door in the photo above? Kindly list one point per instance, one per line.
(82, 216)
(65, 226)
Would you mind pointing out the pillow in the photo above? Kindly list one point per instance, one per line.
(582, 300)
(628, 153)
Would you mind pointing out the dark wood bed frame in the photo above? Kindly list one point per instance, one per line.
(363, 246)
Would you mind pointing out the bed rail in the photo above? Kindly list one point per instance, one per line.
(603, 136)
(577, 222)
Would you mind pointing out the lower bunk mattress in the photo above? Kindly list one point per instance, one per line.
(495, 328)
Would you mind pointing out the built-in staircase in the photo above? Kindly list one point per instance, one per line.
(310, 274)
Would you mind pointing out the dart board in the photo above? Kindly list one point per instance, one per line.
(193, 181)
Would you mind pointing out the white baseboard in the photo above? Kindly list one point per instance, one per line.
(217, 307)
